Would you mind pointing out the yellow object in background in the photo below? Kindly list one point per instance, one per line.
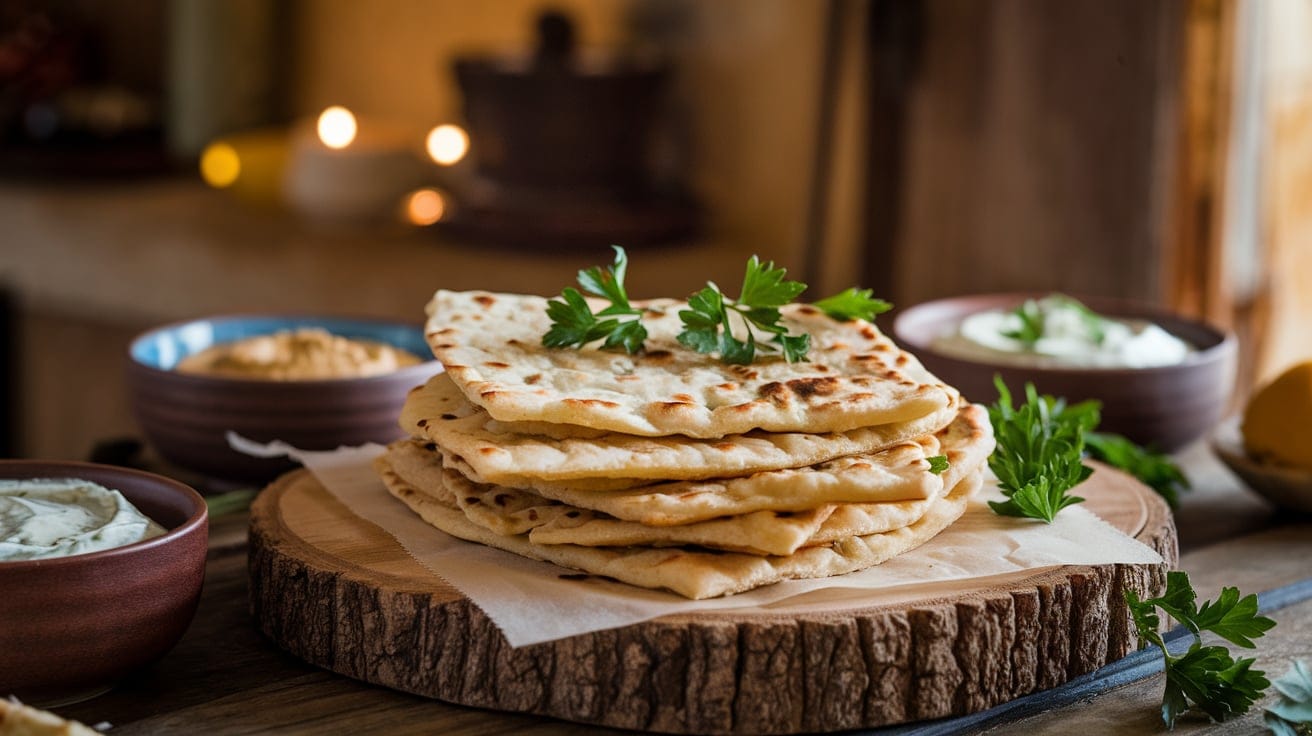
(251, 164)
(1277, 424)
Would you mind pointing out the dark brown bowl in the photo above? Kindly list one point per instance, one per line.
(187, 417)
(70, 627)
(1166, 407)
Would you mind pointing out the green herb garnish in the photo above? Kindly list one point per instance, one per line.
(573, 323)
(938, 464)
(1291, 714)
(1031, 324)
(853, 303)
(1033, 318)
(1206, 677)
(1039, 448)
(1095, 324)
(708, 321)
(1153, 468)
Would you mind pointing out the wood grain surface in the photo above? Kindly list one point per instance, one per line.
(342, 594)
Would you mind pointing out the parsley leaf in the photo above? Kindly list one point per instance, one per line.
(938, 464)
(1207, 677)
(853, 303)
(573, 323)
(1031, 324)
(1291, 714)
(709, 320)
(1039, 448)
(1153, 468)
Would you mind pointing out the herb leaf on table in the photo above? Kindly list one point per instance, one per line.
(1205, 677)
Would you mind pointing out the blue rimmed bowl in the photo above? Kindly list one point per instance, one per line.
(186, 417)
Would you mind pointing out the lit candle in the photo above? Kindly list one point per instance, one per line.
(344, 169)
(251, 164)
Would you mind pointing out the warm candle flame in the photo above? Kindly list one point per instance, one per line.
(220, 165)
(424, 207)
(447, 144)
(337, 127)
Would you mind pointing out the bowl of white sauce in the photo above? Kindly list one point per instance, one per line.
(100, 574)
(1163, 379)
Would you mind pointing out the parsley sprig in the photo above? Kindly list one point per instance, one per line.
(1039, 448)
(1030, 330)
(938, 464)
(1291, 714)
(1155, 469)
(736, 329)
(853, 303)
(708, 322)
(1206, 677)
(573, 323)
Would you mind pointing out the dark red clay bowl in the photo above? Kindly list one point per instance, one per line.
(187, 417)
(1166, 407)
(71, 627)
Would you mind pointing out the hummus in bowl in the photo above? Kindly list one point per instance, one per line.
(315, 382)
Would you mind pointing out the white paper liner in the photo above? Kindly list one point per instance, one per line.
(531, 604)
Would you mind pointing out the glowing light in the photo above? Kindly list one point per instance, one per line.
(220, 165)
(337, 127)
(447, 144)
(424, 207)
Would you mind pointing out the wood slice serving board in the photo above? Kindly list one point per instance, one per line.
(342, 594)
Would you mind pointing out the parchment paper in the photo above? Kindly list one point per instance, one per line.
(529, 602)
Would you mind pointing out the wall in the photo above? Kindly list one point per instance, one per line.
(1038, 148)
(743, 102)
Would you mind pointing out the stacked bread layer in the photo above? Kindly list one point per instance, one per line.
(668, 469)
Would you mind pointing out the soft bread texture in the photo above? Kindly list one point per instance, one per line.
(695, 573)
(520, 456)
(896, 474)
(491, 347)
(776, 531)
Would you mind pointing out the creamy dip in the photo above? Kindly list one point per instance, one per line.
(306, 354)
(57, 517)
(1058, 331)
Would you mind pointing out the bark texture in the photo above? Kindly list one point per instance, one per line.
(716, 674)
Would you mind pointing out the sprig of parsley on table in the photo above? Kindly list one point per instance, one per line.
(1155, 469)
(708, 322)
(1206, 677)
(1040, 445)
(573, 323)
(1291, 714)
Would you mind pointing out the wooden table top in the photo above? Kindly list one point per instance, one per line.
(224, 677)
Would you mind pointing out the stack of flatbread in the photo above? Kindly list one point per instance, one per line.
(670, 469)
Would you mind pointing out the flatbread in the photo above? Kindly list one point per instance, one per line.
(695, 573)
(491, 346)
(517, 455)
(896, 474)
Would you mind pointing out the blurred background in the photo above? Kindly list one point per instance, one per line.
(168, 159)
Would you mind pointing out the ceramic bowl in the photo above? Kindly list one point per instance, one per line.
(1165, 407)
(70, 627)
(186, 417)
(1288, 488)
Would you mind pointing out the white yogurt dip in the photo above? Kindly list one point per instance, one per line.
(1058, 331)
(57, 517)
